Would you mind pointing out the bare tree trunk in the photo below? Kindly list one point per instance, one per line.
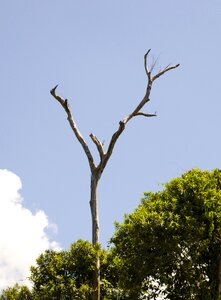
(97, 170)
(95, 233)
(94, 209)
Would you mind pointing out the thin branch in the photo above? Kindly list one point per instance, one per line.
(145, 115)
(58, 98)
(142, 103)
(154, 64)
(146, 64)
(98, 144)
(137, 111)
(65, 105)
(112, 143)
(164, 71)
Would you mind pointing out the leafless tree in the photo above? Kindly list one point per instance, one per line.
(98, 168)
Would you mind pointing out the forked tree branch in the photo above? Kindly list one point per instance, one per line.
(104, 157)
(137, 111)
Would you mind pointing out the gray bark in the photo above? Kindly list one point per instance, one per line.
(95, 232)
(94, 209)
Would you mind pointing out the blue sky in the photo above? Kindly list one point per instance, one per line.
(94, 51)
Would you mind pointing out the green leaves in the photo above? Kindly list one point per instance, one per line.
(69, 274)
(169, 247)
(173, 237)
(16, 293)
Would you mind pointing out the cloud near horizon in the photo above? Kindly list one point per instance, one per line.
(22, 234)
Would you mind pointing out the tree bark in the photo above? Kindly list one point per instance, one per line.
(94, 209)
(95, 232)
(97, 170)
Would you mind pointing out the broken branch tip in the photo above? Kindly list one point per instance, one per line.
(52, 91)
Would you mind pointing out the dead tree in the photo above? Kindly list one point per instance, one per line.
(97, 169)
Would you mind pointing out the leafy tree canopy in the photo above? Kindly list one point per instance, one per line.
(68, 275)
(16, 293)
(171, 244)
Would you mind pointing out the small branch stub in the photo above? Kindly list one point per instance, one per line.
(145, 115)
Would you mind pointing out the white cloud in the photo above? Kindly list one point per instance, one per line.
(22, 233)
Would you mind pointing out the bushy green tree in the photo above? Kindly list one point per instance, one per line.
(16, 292)
(69, 274)
(171, 244)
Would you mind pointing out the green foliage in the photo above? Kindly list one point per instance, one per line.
(171, 243)
(65, 274)
(61, 273)
(170, 246)
(69, 274)
(16, 293)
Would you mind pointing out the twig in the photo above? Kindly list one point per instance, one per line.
(164, 71)
(145, 62)
(145, 115)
